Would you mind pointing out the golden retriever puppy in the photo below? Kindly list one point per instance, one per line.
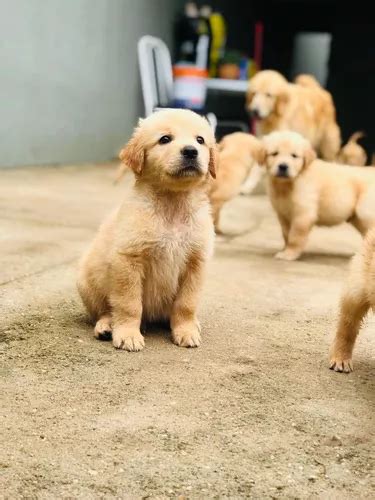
(305, 108)
(148, 259)
(305, 191)
(238, 154)
(357, 299)
(353, 153)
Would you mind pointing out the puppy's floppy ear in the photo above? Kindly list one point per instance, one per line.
(133, 154)
(212, 165)
(309, 156)
(281, 102)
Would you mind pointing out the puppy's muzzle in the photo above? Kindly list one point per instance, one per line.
(282, 170)
(254, 113)
(190, 165)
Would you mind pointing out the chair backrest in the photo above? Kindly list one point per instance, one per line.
(155, 67)
(202, 51)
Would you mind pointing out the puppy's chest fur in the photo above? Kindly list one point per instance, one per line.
(166, 259)
(282, 199)
(291, 199)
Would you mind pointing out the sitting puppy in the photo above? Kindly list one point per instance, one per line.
(353, 153)
(239, 153)
(147, 261)
(358, 298)
(303, 107)
(305, 191)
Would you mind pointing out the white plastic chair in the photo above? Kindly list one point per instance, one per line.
(155, 67)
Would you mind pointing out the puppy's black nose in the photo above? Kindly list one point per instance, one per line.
(283, 169)
(255, 113)
(189, 152)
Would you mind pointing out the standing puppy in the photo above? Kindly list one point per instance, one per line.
(357, 299)
(305, 191)
(239, 153)
(304, 107)
(147, 261)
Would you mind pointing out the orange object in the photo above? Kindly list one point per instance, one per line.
(190, 86)
(189, 71)
(229, 71)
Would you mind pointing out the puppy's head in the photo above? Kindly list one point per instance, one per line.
(287, 154)
(267, 94)
(172, 149)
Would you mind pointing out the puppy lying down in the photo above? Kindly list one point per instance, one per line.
(148, 259)
(305, 191)
(357, 299)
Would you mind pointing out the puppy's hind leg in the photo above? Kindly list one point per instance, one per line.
(97, 306)
(103, 327)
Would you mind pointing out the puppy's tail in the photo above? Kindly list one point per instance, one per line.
(306, 80)
(356, 136)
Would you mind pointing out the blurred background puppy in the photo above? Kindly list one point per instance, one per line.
(303, 107)
(305, 191)
(353, 153)
(239, 153)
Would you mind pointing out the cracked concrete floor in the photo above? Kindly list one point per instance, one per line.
(253, 413)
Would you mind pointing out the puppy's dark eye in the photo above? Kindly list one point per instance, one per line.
(275, 153)
(165, 139)
(268, 94)
(200, 139)
(294, 155)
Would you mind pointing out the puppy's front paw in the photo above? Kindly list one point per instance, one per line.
(128, 339)
(340, 363)
(188, 336)
(287, 255)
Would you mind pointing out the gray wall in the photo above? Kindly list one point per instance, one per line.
(69, 84)
(311, 55)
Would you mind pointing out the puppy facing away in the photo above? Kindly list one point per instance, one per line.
(303, 107)
(353, 153)
(238, 154)
(147, 260)
(357, 299)
(305, 191)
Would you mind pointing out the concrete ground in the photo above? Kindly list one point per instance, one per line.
(253, 413)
